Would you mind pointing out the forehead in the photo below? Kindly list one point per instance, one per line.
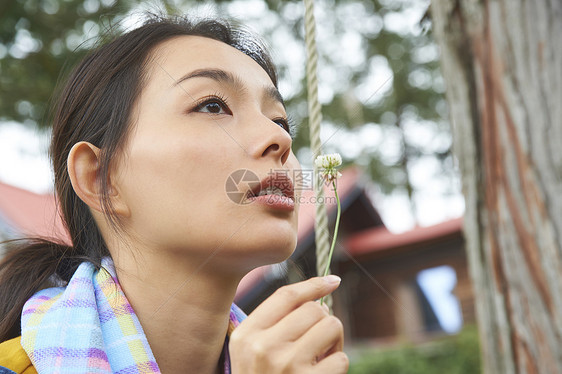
(175, 57)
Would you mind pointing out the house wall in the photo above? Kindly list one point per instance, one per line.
(381, 300)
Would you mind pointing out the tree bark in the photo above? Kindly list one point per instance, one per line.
(502, 62)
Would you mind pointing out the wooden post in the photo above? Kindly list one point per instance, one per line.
(502, 62)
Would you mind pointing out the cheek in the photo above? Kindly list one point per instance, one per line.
(175, 188)
(163, 176)
(170, 159)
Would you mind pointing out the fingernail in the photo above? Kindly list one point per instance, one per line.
(332, 279)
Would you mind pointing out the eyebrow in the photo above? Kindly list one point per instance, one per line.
(222, 76)
(215, 74)
(274, 94)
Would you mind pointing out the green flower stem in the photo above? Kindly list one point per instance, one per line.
(335, 235)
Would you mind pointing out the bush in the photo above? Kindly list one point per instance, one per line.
(458, 354)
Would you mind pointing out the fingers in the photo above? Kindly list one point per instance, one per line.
(336, 363)
(291, 333)
(325, 336)
(299, 321)
(288, 298)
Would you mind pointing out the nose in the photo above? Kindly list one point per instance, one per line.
(271, 141)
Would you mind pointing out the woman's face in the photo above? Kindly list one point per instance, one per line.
(207, 111)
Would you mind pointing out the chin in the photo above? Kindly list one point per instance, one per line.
(256, 252)
(274, 248)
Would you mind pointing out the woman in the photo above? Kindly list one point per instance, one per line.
(145, 133)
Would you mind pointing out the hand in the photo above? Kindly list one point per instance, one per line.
(291, 333)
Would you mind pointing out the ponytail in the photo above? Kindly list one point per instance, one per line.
(29, 266)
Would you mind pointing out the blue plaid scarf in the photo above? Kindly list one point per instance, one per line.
(90, 327)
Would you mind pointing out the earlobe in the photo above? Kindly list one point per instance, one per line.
(84, 171)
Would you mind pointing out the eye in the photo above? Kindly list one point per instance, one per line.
(212, 105)
(286, 124)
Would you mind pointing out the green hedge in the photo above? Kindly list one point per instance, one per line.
(456, 354)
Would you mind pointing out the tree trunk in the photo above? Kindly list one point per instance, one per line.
(502, 61)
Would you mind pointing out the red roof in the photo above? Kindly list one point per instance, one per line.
(380, 239)
(31, 214)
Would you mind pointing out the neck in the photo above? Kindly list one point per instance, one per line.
(183, 307)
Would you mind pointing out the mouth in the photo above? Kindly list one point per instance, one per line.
(275, 184)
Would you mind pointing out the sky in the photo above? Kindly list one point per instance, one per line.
(25, 164)
(23, 151)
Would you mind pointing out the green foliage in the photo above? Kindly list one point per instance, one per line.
(392, 80)
(38, 38)
(458, 354)
(393, 76)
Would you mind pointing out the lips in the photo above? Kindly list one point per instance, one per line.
(275, 183)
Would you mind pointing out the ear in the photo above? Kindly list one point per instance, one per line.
(84, 171)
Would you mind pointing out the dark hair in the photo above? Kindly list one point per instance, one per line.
(95, 105)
